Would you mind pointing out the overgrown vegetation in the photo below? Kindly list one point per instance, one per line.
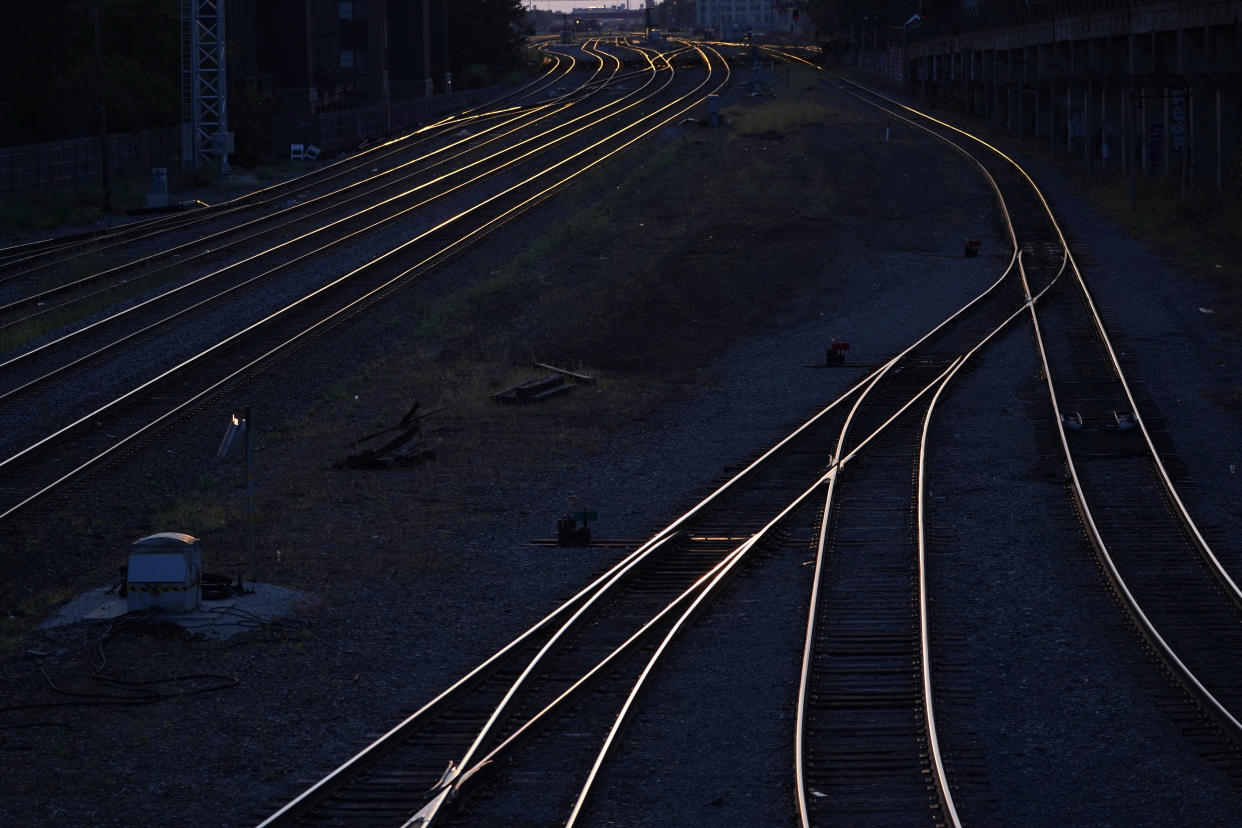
(49, 62)
(489, 34)
(777, 117)
(1201, 230)
(51, 209)
(16, 621)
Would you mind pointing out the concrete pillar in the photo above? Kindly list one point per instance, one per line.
(1069, 118)
(1220, 149)
(1191, 135)
(1140, 130)
(996, 86)
(1088, 124)
(1020, 109)
(1164, 145)
(1127, 128)
(1106, 151)
(967, 63)
(1052, 96)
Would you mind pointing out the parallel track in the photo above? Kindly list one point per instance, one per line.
(1184, 603)
(20, 260)
(147, 407)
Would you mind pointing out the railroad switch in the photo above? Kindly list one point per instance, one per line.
(972, 248)
(836, 352)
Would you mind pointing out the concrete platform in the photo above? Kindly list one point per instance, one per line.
(213, 619)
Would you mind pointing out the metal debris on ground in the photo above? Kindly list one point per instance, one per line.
(409, 446)
(573, 376)
(557, 382)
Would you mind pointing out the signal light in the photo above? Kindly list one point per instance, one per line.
(795, 14)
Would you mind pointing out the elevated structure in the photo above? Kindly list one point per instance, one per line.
(206, 140)
(1144, 87)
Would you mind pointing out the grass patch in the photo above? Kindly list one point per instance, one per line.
(194, 516)
(777, 117)
(590, 226)
(18, 620)
(456, 310)
(58, 318)
(44, 211)
(52, 209)
(1200, 231)
(273, 172)
(584, 224)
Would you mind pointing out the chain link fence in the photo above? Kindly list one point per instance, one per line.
(74, 164)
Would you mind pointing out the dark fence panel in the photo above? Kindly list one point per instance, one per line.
(346, 129)
(74, 164)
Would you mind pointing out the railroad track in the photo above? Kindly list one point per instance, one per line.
(83, 443)
(1185, 605)
(21, 260)
(414, 170)
(759, 506)
(868, 751)
(413, 188)
(853, 477)
(417, 206)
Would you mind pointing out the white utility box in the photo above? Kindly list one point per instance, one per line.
(165, 573)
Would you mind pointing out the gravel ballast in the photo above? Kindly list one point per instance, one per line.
(419, 574)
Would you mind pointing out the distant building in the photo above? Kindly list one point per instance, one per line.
(320, 55)
(734, 18)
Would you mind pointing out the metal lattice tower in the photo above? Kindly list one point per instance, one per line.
(204, 88)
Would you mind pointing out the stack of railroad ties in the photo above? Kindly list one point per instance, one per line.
(557, 382)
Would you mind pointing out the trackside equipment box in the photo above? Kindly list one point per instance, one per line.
(165, 573)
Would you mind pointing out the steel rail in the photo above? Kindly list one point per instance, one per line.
(721, 571)
(720, 574)
(808, 647)
(337, 777)
(13, 254)
(682, 521)
(303, 210)
(1217, 568)
(790, 58)
(428, 814)
(462, 776)
(372, 752)
(152, 228)
(920, 620)
(1207, 701)
(943, 788)
(257, 198)
(471, 236)
(1226, 720)
(150, 302)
